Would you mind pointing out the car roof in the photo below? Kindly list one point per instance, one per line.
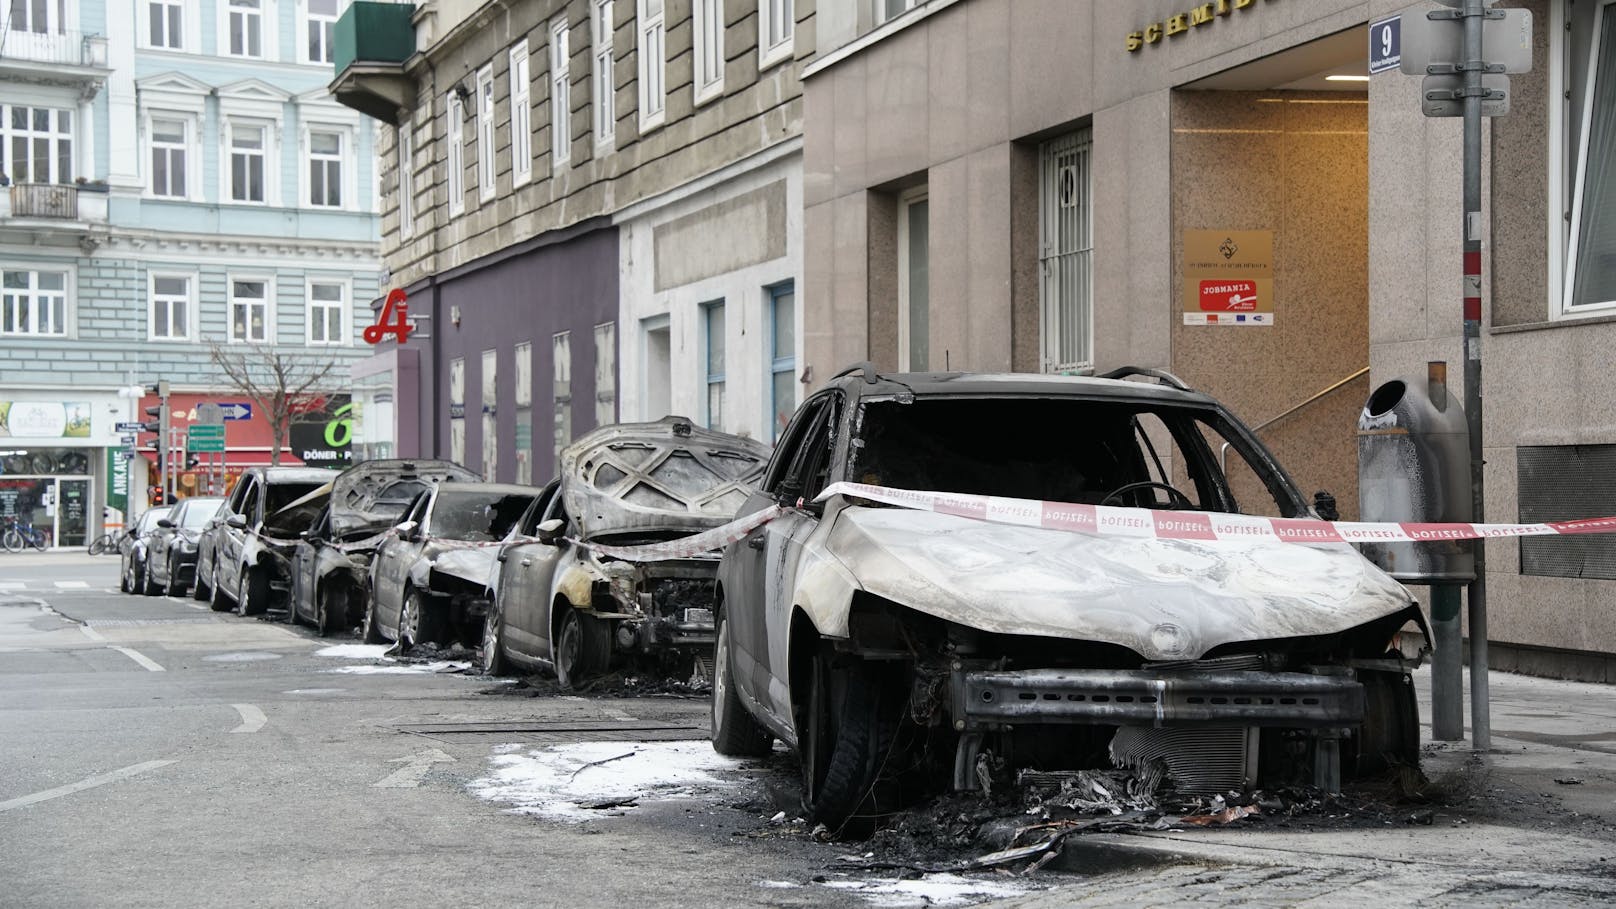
(294, 474)
(500, 488)
(1019, 385)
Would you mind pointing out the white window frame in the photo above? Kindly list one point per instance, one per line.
(521, 76)
(605, 373)
(602, 73)
(347, 167)
(227, 150)
(69, 327)
(231, 300)
(560, 92)
(192, 150)
(52, 134)
(305, 19)
(1566, 190)
(190, 302)
(775, 366)
(775, 16)
(712, 379)
(707, 24)
(651, 44)
(488, 404)
(190, 25)
(485, 133)
(268, 32)
(880, 16)
(405, 146)
(344, 308)
(906, 200)
(455, 154)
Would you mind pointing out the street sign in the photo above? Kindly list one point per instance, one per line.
(1439, 95)
(202, 438)
(236, 410)
(127, 440)
(1385, 44)
(1505, 42)
(131, 427)
(209, 413)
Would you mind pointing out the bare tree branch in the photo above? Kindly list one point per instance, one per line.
(280, 385)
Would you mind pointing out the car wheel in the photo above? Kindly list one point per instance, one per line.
(1390, 736)
(493, 649)
(411, 622)
(252, 594)
(849, 727)
(219, 602)
(123, 576)
(582, 647)
(175, 588)
(332, 615)
(199, 590)
(735, 731)
(371, 630)
(148, 584)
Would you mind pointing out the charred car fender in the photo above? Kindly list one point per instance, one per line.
(576, 583)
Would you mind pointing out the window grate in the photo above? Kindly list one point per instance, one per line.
(1563, 483)
(1066, 251)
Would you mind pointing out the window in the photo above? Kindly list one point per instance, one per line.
(656, 384)
(653, 64)
(319, 30)
(249, 311)
(171, 303)
(521, 117)
(560, 94)
(169, 143)
(776, 23)
(245, 25)
(914, 308)
(406, 179)
(165, 24)
(561, 393)
(325, 168)
(1066, 251)
(35, 16)
(247, 148)
(33, 302)
(36, 144)
(457, 410)
(1589, 244)
(524, 412)
(485, 133)
(328, 308)
(490, 417)
(712, 316)
(606, 374)
(708, 17)
(892, 9)
(604, 86)
(456, 156)
(782, 305)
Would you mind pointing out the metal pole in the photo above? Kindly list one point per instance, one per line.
(1447, 665)
(163, 445)
(1480, 721)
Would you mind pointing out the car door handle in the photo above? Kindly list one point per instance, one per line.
(527, 561)
(757, 540)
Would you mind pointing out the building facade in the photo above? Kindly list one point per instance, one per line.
(180, 181)
(591, 207)
(1045, 185)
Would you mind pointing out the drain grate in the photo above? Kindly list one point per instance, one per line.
(139, 623)
(559, 731)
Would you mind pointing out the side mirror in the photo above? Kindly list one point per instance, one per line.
(405, 530)
(165, 523)
(239, 522)
(550, 531)
(1324, 505)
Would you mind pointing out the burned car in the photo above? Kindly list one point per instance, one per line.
(564, 606)
(171, 548)
(893, 647)
(347, 520)
(411, 601)
(251, 548)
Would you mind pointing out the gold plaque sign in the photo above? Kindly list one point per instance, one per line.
(1228, 277)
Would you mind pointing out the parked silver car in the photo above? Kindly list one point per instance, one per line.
(171, 549)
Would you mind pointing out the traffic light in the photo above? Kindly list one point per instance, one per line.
(155, 424)
(160, 389)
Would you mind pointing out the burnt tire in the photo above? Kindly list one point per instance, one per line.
(331, 609)
(217, 600)
(582, 645)
(419, 621)
(492, 656)
(850, 727)
(252, 594)
(371, 629)
(1390, 735)
(735, 732)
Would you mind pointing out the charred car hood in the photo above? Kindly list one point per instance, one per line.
(1163, 599)
(475, 565)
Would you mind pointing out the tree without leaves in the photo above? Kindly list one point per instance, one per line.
(280, 385)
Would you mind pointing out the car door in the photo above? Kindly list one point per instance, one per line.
(527, 567)
(227, 561)
(390, 565)
(305, 561)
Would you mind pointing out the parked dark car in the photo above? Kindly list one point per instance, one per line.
(563, 607)
(171, 549)
(408, 602)
(882, 641)
(251, 554)
(132, 550)
(208, 541)
(331, 563)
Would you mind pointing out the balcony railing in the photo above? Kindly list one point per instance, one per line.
(370, 32)
(53, 201)
(65, 47)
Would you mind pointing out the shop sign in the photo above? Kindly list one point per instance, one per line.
(323, 437)
(1228, 277)
(394, 319)
(117, 480)
(45, 420)
(1179, 23)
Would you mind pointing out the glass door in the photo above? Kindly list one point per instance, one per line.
(72, 512)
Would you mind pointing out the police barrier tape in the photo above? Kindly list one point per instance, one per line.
(686, 547)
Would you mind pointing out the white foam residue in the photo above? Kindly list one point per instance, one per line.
(931, 890)
(563, 781)
(357, 651)
(778, 885)
(407, 668)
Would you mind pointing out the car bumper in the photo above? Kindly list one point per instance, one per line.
(986, 699)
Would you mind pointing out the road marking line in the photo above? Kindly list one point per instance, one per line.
(140, 658)
(81, 785)
(13, 585)
(91, 633)
(197, 605)
(415, 767)
(252, 719)
(72, 585)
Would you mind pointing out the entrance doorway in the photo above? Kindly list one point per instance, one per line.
(58, 506)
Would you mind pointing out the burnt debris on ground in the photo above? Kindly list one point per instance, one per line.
(623, 684)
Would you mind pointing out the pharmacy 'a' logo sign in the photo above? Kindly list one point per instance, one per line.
(1228, 296)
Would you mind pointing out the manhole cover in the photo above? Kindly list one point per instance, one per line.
(558, 731)
(252, 656)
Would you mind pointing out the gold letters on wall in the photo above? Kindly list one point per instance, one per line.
(1180, 23)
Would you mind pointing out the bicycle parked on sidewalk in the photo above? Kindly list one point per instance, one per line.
(19, 535)
(107, 542)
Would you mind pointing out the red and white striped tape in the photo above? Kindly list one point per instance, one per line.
(688, 547)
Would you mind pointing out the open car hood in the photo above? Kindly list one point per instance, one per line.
(474, 565)
(371, 495)
(670, 476)
(1163, 599)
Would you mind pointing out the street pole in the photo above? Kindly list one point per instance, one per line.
(1473, 66)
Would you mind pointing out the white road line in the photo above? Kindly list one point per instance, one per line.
(197, 605)
(81, 785)
(72, 585)
(13, 585)
(140, 658)
(252, 719)
(91, 633)
(414, 770)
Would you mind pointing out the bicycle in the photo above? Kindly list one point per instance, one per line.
(19, 535)
(106, 542)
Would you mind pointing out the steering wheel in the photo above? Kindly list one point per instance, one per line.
(1173, 495)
